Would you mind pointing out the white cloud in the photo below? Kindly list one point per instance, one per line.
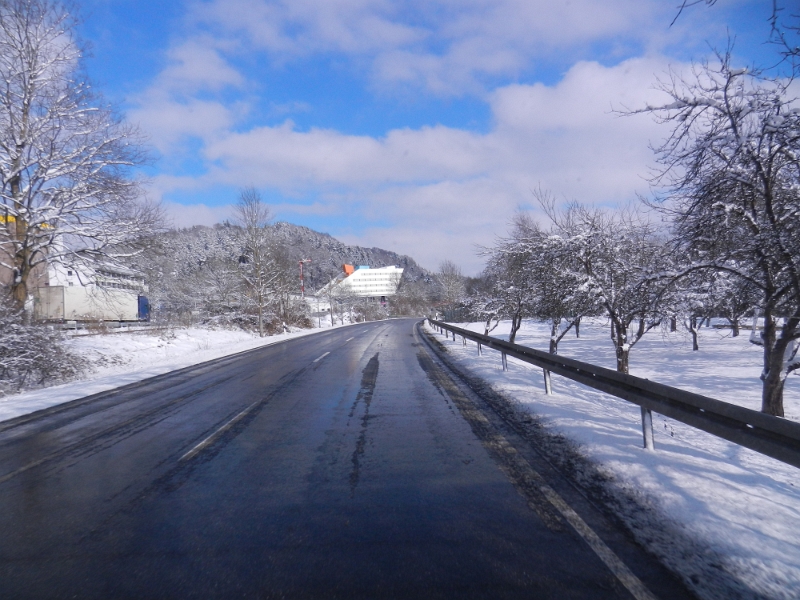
(539, 132)
(301, 27)
(435, 190)
(182, 215)
(167, 120)
(444, 46)
(447, 189)
(196, 65)
(169, 109)
(292, 160)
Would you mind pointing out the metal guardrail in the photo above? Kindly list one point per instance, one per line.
(763, 433)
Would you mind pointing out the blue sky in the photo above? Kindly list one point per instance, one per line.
(417, 126)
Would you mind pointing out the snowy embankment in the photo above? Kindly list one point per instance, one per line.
(725, 517)
(117, 359)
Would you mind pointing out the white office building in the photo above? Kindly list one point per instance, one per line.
(364, 282)
(98, 293)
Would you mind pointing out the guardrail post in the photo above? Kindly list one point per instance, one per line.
(504, 360)
(647, 428)
(548, 388)
(479, 349)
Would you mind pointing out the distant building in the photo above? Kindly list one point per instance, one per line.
(364, 282)
(92, 292)
(103, 293)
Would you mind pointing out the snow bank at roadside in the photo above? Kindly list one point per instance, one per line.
(725, 517)
(127, 357)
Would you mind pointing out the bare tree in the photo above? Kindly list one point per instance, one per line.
(733, 298)
(514, 290)
(411, 299)
(65, 191)
(695, 301)
(260, 271)
(732, 165)
(784, 28)
(451, 284)
(614, 258)
(558, 296)
(481, 301)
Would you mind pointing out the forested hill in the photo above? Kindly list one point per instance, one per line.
(187, 258)
(328, 254)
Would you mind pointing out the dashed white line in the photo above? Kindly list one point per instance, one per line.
(35, 463)
(348, 339)
(210, 439)
(321, 357)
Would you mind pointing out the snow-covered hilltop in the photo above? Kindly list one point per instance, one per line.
(198, 271)
(328, 254)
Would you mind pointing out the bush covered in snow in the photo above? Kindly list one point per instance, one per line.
(31, 354)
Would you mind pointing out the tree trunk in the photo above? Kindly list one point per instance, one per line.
(19, 289)
(516, 323)
(578, 327)
(673, 324)
(772, 394)
(734, 327)
(693, 329)
(19, 286)
(621, 346)
(623, 355)
(554, 336)
(772, 376)
(260, 320)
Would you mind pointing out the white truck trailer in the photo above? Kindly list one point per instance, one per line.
(79, 303)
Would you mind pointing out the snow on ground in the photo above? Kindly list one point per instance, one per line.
(727, 518)
(126, 357)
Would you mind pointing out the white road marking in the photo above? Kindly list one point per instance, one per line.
(35, 463)
(606, 554)
(620, 570)
(321, 357)
(348, 339)
(210, 439)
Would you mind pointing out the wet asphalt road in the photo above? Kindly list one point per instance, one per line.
(341, 465)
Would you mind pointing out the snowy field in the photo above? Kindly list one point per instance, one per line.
(118, 359)
(726, 517)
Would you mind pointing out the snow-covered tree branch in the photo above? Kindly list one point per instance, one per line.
(66, 194)
(260, 271)
(732, 170)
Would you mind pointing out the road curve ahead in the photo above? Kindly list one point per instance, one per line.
(346, 464)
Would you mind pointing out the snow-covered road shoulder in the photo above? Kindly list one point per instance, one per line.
(726, 518)
(122, 358)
